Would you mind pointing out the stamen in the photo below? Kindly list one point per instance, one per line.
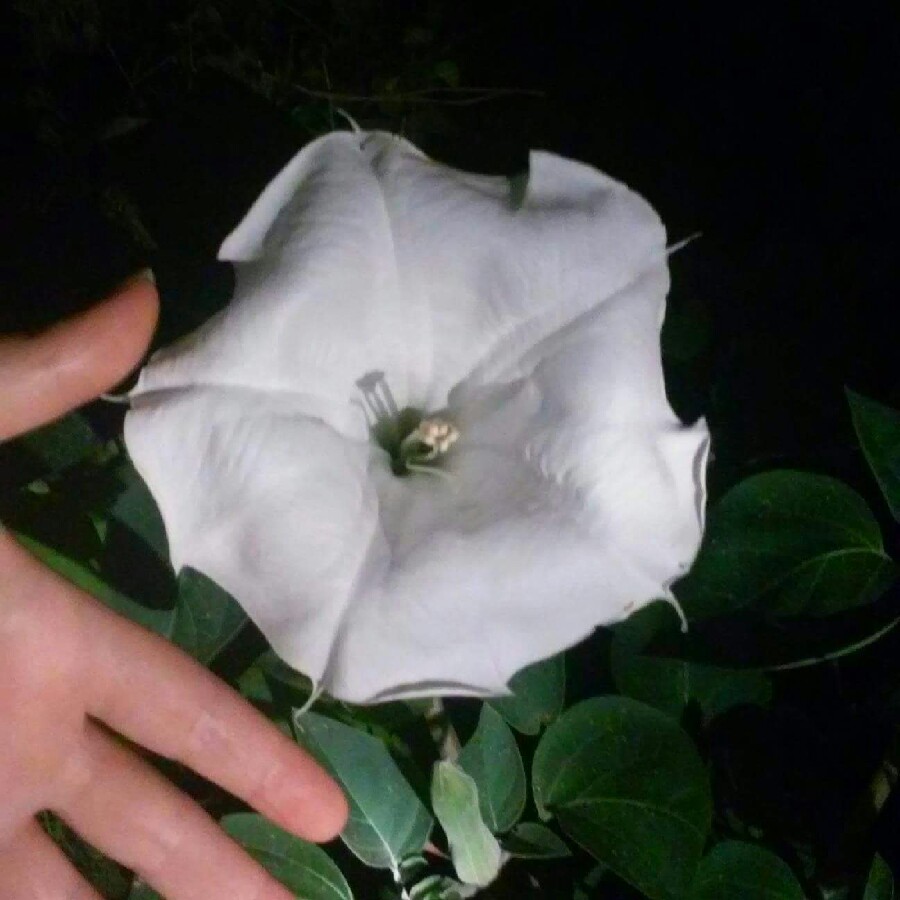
(438, 435)
(412, 442)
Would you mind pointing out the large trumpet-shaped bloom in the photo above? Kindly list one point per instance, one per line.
(428, 441)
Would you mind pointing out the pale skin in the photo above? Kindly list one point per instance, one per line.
(73, 676)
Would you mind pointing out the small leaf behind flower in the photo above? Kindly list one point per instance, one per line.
(538, 693)
(158, 620)
(492, 759)
(137, 510)
(387, 820)
(62, 443)
(206, 616)
(669, 684)
(454, 796)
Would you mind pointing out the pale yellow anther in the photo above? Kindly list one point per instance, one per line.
(438, 434)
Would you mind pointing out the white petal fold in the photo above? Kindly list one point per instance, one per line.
(526, 312)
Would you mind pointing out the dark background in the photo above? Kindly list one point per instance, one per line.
(137, 133)
(770, 128)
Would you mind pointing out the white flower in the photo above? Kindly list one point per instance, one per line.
(500, 338)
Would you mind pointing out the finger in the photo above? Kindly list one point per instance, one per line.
(160, 698)
(144, 687)
(45, 376)
(32, 867)
(125, 808)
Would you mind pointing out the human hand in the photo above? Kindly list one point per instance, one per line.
(73, 673)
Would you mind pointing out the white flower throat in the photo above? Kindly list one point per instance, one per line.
(413, 441)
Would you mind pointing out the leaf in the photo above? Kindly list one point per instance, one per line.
(492, 759)
(625, 782)
(669, 684)
(109, 878)
(304, 868)
(538, 693)
(387, 820)
(475, 852)
(878, 429)
(742, 871)
(158, 620)
(788, 543)
(531, 840)
(439, 887)
(63, 443)
(140, 890)
(136, 509)
(252, 685)
(206, 616)
(880, 883)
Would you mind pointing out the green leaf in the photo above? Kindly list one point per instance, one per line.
(253, 686)
(538, 693)
(475, 852)
(880, 883)
(493, 761)
(438, 887)
(788, 543)
(63, 443)
(625, 782)
(137, 510)
(387, 819)
(878, 429)
(670, 684)
(140, 890)
(304, 868)
(204, 620)
(206, 617)
(109, 878)
(158, 620)
(742, 871)
(531, 840)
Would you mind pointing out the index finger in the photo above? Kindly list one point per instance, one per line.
(44, 376)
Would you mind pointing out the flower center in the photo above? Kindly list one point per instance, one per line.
(412, 441)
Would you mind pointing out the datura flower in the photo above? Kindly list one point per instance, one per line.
(428, 441)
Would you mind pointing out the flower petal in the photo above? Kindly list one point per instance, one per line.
(363, 256)
(532, 314)
(274, 506)
(575, 497)
(499, 264)
(316, 304)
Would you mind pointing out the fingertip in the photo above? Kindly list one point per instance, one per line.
(43, 377)
(123, 325)
(330, 818)
(307, 801)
